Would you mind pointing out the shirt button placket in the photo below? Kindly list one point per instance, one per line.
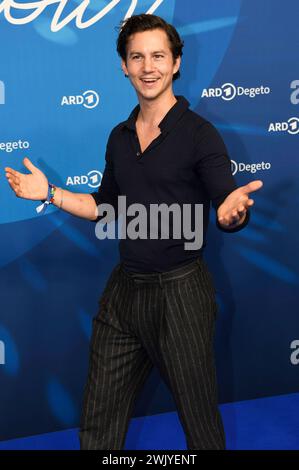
(138, 153)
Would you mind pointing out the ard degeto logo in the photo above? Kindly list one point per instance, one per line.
(291, 126)
(229, 91)
(249, 167)
(295, 94)
(93, 179)
(89, 99)
(16, 145)
(2, 92)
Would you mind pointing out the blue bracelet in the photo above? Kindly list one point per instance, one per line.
(46, 202)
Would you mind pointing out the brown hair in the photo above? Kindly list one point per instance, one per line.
(146, 22)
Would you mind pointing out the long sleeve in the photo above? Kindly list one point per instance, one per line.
(214, 169)
(108, 190)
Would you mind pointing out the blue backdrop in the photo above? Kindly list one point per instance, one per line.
(61, 92)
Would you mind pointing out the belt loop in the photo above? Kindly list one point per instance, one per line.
(160, 280)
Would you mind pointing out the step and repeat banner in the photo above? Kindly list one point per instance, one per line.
(61, 92)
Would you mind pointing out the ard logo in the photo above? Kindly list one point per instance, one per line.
(89, 99)
(2, 92)
(291, 126)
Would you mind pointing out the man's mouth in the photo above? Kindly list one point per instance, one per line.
(149, 80)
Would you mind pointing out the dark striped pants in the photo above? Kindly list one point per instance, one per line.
(166, 320)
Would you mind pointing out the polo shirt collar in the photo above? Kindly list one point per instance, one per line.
(169, 120)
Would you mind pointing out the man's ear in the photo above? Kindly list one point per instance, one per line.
(177, 64)
(124, 68)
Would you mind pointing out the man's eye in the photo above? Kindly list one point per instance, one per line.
(136, 57)
(158, 56)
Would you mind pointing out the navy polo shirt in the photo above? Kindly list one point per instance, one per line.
(186, 164)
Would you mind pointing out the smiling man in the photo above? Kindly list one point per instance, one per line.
(158, 307)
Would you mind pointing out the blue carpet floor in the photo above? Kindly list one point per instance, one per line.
(262, 424)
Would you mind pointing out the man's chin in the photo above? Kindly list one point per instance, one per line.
(150, 95)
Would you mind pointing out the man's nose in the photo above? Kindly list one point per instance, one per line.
(148, 64)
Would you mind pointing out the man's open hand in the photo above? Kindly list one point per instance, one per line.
(233, 209)
(28, 186)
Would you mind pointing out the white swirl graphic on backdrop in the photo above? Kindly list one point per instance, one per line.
(77, 14)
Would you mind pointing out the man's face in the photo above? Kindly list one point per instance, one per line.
(150, 64)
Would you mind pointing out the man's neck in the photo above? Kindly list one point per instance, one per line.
(153, 111)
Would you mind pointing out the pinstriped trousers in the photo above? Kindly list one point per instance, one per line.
(165, 320)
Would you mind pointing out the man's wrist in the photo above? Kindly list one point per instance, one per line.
(58, 197)
(47, 196)
(50, 199)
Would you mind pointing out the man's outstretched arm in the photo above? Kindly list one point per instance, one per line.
(231, 202)
(34, 186)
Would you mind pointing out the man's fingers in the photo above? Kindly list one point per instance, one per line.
(234, 216)
(29, 165)
(14, 179)
(10, 173)
(250, 202)
(253, 186)
(14, 186)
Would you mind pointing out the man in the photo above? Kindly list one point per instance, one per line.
(158, 307)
